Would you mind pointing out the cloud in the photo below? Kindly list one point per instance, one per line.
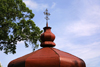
(83, 28)
(88, 23)
(88, 51)
(53, 5)
(34, 5)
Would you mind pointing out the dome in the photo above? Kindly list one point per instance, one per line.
(48, 56)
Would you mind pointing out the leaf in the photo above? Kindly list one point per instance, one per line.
(26, 45)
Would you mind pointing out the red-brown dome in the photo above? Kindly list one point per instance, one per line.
(48, 57)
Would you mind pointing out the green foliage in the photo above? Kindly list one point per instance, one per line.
(14, 27)
(0, 65)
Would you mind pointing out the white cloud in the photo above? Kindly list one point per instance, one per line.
(34, 5)
(89, 22)
(83, 28)
(88, 51)
(53, 5)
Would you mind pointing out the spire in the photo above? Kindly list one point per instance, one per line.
(47, 37)
(47, 14)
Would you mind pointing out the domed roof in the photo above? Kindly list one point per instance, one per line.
(47, 56)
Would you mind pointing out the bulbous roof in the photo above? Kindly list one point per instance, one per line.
(48, 57)
(47, 38)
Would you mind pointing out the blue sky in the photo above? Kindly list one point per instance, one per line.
(75, 23)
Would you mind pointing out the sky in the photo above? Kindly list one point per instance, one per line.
(75, 23)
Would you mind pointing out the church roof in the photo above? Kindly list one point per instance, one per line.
(47, 57)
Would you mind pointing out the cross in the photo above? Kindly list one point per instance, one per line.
(47, 14)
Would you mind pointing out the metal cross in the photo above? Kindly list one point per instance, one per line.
(47, 14)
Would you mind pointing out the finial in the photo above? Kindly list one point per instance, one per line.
(47, 14)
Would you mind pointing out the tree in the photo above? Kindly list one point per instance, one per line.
(16, 25)
(0, 65)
